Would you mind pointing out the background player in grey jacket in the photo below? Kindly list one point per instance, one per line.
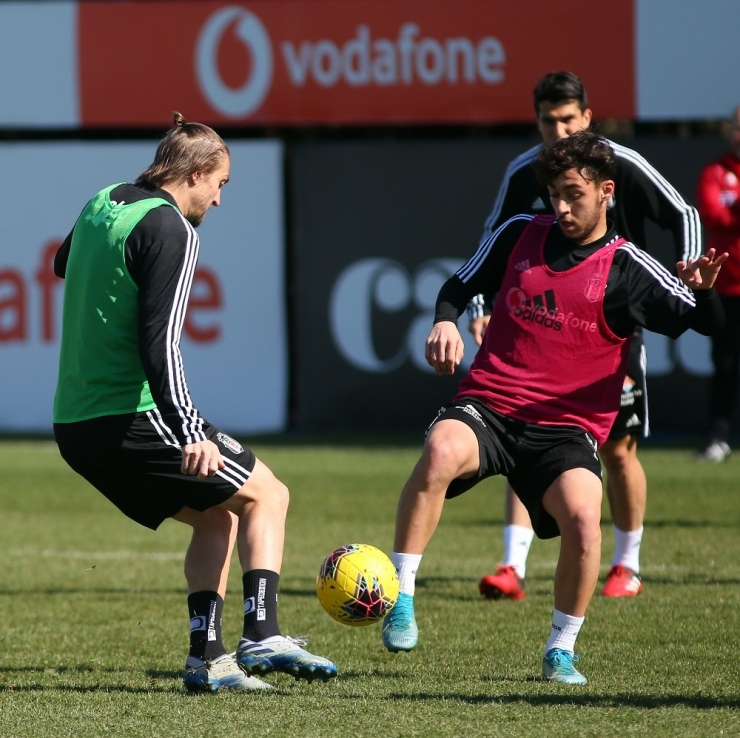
(642, 194)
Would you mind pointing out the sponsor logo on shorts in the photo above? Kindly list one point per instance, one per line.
(633, 421)
(249, 605)
(470, 410)
(227, 441)
(629, 396)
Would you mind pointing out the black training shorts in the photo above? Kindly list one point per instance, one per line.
(136, 466)
(632, 419)
(530, 456)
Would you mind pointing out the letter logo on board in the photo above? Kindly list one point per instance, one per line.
(384, 284)
(249, 30)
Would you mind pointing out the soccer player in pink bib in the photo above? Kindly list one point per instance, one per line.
(544, 388)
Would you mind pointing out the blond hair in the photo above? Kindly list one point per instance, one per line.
(186, 148)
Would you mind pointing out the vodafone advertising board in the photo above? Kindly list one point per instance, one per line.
(332, 61)
(234, 338)
(294, 62)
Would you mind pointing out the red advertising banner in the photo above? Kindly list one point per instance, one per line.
(293, 62)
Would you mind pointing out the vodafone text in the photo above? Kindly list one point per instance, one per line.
(409, 59)
(556, 321)
(17, 293)
(544, 311)
(404, 60)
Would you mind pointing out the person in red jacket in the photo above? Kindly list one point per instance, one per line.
(718, 202)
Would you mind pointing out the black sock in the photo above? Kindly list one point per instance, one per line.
(260, 604)
(206, 610)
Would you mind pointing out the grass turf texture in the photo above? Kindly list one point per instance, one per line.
(95, 623)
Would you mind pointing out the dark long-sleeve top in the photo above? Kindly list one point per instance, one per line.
(639, 291)
(161, 253)
(641, 194)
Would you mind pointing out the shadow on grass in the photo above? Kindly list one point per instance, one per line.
(179, 592)
(689, 523)
(161, 681)
(6, 676)
(643, 702)
(106, 688)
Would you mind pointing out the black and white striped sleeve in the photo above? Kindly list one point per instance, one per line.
(660, 301)
(163, 254)
(507, 204)
(652, 196)
(483, 272)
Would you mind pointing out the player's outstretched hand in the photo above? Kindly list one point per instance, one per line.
(478, 326)
(444, 347)
(700, 274)
(201, 459)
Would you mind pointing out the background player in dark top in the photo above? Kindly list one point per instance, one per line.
(124, 418)
(718, 202)
(642, 194)
(545, 385)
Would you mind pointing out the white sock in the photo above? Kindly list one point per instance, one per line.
(627, 551)
(564, 631)
(517, 540)
(406, 566)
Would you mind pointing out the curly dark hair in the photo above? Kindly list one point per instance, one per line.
(585, 151)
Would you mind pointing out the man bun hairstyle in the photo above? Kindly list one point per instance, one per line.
(185, 148)
(585, 151)
(557, 87)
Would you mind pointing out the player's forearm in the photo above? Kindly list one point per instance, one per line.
(452, 300)
(708, 318)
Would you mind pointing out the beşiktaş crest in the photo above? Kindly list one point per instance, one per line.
(233, 446)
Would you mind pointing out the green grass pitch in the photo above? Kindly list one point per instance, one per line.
(95, 624)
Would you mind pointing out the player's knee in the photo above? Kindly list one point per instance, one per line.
(445, 457)
(267, 492)
(281, 495)
(582, 528)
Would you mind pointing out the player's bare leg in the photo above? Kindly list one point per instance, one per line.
(507, 581)
(574, 500)
(626, 488)
(208, 556)
(209, 667)
(515, 512)
(450, 451)
(261, 506)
